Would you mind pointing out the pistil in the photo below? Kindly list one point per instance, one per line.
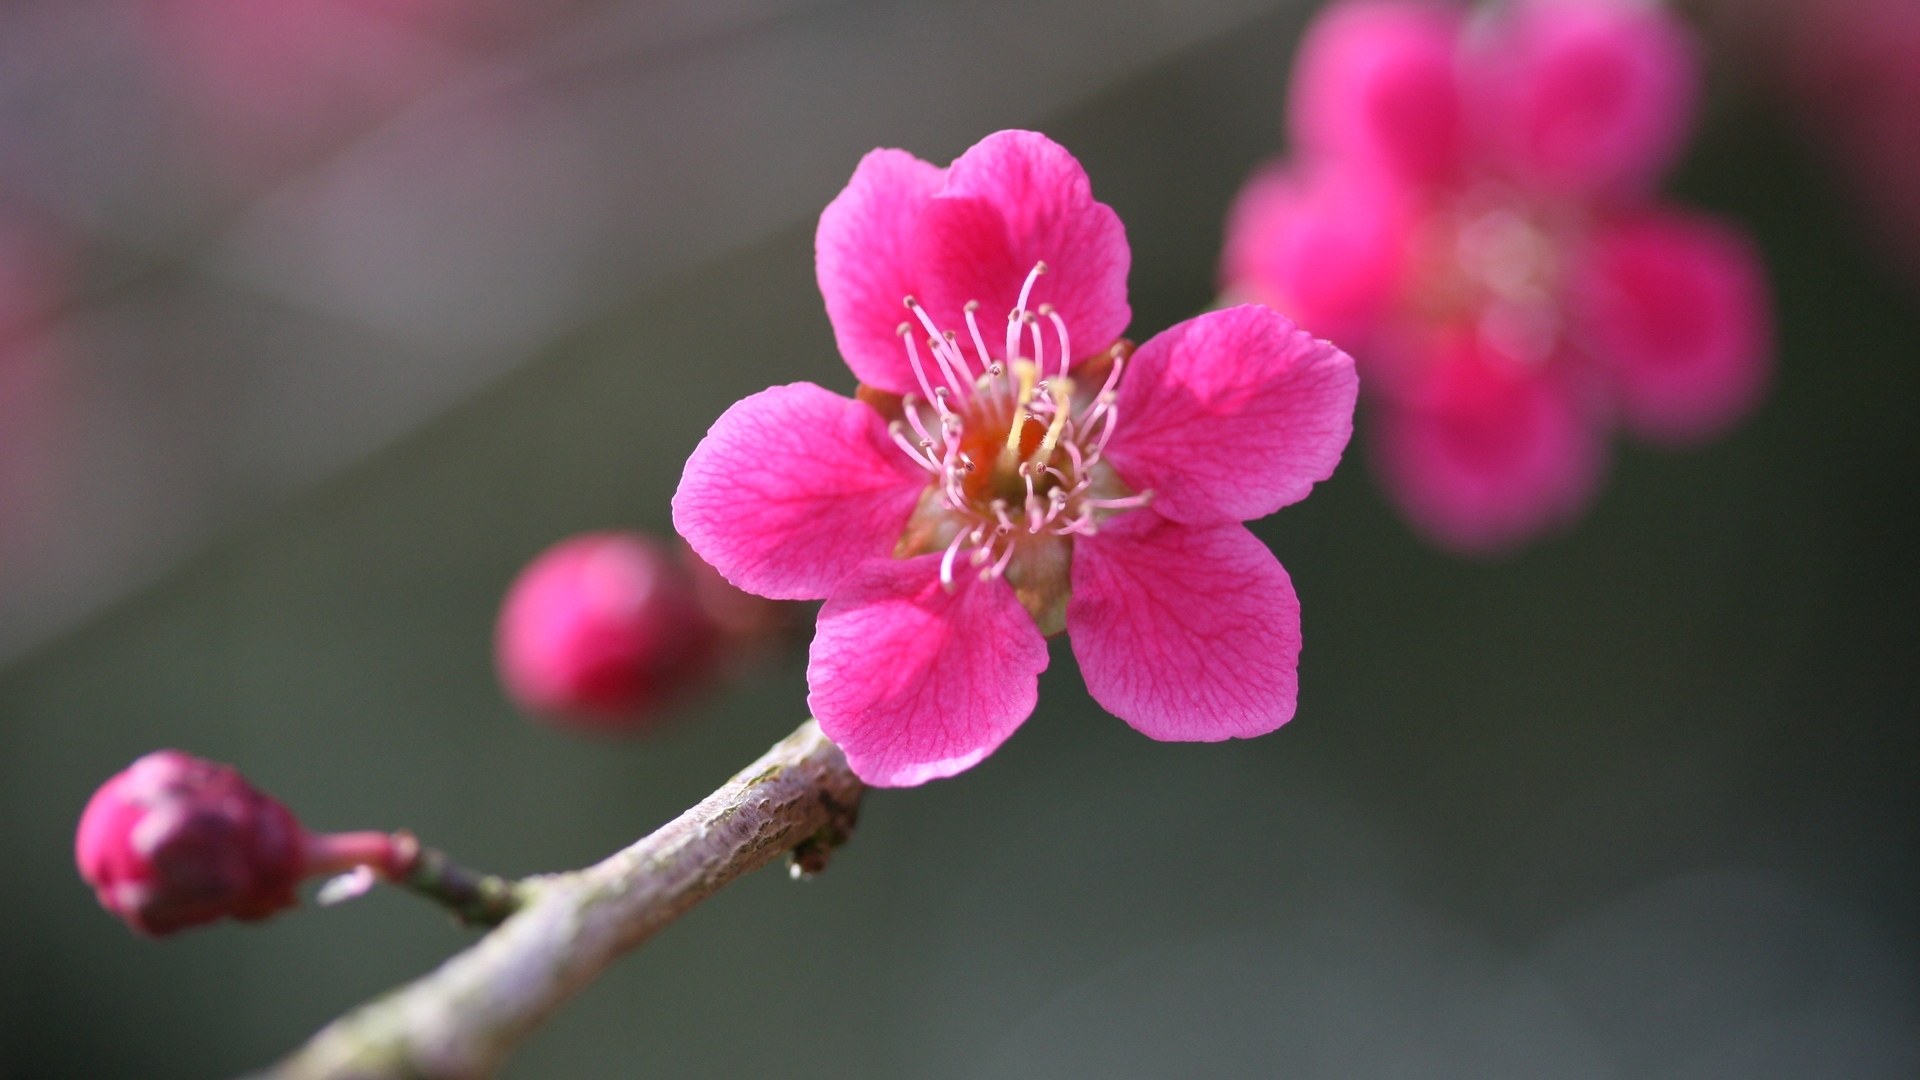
(1025, 371)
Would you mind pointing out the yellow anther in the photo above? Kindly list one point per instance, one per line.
(1026, 373)
(1062, 389)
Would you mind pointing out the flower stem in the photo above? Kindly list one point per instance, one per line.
(477, 899)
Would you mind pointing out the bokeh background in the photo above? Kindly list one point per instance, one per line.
(319, 318)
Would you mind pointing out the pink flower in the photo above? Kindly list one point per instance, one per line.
(601, 631)
(986, 490)
(1470, 207)
(174, 841)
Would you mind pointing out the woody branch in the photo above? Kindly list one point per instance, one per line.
(462, 1020)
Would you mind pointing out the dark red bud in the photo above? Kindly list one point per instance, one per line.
(175, 841)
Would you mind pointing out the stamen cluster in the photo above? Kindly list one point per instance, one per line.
(1014, 454)
(1497, 262)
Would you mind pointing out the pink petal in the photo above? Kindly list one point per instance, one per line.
(1232, 415)
(1678, 305)
(1188, 633)
(1587, 95)
(863, 257)
(1495, 456)
(1327, 248)
(794, 487)
(1015, 199)
(917, 683)
(1376, 84)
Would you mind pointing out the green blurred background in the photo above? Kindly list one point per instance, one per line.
(1639, 802)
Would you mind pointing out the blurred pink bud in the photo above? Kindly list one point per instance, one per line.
(175, 841)
(601, 631)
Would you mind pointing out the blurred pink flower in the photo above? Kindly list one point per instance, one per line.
(36, 281)
(603, 630)
(1853, 68)
(978, 496)
(1470, 207)
(271, 86)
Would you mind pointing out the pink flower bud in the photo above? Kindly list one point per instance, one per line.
(175, 841)
(602, 630)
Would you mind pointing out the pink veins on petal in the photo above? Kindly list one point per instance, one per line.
(1470, 207)
(940, 513)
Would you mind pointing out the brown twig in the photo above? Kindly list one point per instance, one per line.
(475, 898)
(462, 1020)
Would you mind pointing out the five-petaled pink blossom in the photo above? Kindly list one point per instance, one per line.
(1012, 468)
(1470, 208)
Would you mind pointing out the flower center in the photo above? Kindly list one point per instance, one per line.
(1496, 263)
(1012, 450)
(1514, 262)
